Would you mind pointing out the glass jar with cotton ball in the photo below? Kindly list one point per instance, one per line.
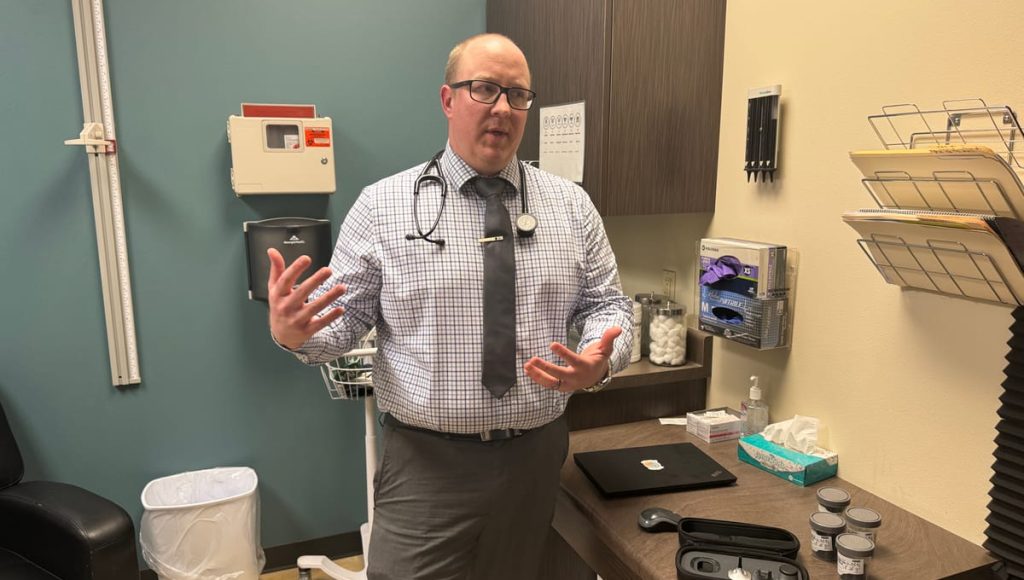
(649, 302)
(667, 334)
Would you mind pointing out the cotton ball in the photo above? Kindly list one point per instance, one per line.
(678, 360)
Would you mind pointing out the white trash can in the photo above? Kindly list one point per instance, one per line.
(203, 525)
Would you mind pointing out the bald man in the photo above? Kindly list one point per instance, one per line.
(468, 474)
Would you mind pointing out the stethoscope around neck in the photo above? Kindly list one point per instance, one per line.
(526, 224)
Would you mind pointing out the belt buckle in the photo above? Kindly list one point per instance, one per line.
(498, 434)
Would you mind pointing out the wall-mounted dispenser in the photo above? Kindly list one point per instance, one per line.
(743, 291)
(762, 158)
(281, 149)
(291, 236)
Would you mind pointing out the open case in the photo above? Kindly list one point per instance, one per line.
(710, 549)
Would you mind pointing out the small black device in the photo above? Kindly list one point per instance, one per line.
(526, 224)
(293, 237)
(656, 520)
(653, 469)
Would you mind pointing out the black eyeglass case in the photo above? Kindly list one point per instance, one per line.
(710, 549)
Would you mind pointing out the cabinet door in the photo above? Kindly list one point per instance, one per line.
(664, 106)
(565, 42)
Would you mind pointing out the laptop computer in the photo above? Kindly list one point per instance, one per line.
(653, 469)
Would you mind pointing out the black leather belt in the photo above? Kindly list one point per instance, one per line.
(493, 435)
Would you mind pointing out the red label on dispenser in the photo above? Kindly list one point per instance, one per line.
(318, 137)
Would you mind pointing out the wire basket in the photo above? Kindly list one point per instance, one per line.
(350, 376)
(958, 122)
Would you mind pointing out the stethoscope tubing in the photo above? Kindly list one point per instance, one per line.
(426, 176)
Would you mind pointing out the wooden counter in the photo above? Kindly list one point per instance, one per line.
(604, 533)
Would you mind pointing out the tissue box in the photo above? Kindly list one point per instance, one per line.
(793, 466)
(712, 429)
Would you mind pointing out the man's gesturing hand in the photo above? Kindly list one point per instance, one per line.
(292, 319)
(583, 370)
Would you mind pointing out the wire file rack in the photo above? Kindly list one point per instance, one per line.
(958, 191)
(961, 159)
(958, 122)
(939, 266)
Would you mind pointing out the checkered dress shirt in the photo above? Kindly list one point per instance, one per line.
(427, 301)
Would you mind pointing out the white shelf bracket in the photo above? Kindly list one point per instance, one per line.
(92, 137)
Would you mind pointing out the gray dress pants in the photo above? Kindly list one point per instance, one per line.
(464, 510)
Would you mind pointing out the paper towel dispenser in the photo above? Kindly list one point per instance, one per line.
(293, 237)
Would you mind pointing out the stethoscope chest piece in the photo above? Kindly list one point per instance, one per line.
(526, 224)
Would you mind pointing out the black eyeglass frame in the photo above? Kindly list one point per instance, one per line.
(501, 91)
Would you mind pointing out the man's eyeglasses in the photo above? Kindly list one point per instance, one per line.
(488, 93)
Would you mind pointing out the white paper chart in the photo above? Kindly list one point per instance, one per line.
(561, 140)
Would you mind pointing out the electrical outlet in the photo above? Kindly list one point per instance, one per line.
(668, 283)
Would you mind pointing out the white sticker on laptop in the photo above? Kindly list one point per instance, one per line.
(652, 464)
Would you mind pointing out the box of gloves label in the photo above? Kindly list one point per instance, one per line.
(750, 321)
(789, 449)
(750, 269)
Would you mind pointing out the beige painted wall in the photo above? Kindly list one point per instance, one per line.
(906, 381)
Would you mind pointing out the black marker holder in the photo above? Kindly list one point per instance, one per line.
(762, 158)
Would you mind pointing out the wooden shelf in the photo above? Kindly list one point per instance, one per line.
(644, 372)
(648, 391)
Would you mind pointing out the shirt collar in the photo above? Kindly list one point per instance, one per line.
(459, 172)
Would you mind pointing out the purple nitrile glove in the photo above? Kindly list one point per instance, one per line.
(721, 268)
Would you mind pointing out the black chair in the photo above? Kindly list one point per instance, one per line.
(54, 530)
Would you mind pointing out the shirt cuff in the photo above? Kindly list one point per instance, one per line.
(307, 351)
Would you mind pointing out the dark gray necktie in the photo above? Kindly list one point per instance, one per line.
(499, 355)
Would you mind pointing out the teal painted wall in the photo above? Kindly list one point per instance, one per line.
(215, 389)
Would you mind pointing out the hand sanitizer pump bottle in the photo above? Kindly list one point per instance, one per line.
(754, 410)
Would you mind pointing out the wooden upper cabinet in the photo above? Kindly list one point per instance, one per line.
(650, 72)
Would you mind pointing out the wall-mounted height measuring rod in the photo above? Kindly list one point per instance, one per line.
(101, 148)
